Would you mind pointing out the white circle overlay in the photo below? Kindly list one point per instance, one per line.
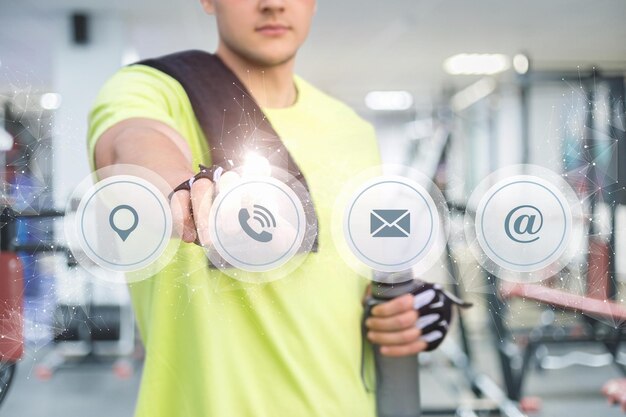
(256, 225)
(121, 224)
(523, 223)
(391, 223)
(526, 220)
(105, 221)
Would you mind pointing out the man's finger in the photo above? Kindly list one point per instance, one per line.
(403, 337)
(181, 216)
(228, 180)
(395, 306)
(201, 200)
(400, 321)
(404, 350)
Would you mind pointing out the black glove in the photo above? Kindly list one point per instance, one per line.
(434, 305)
(212, 173)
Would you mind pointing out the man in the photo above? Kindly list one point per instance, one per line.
(222, 348)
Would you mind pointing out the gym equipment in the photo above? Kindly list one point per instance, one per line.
(89, 331)
(7, 371)
(519, 348)
(91, 334)
(11, 310)
(95, 331)
(106, 323)
(397, 379)
(602, 314)
(101, 322)
(482, 386)
(486, 397)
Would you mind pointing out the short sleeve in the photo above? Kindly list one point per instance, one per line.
(133, 92)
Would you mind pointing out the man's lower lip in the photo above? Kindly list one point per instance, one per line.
(273, 31)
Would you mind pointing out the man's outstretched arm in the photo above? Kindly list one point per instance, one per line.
(155, 146)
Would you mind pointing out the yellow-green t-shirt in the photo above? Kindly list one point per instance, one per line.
(217, 347)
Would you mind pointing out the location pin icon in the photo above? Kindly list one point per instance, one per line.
(123, 233)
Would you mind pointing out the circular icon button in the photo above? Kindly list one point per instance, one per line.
(391, 223)
(523, 223)
(256, 225)
(123, 223)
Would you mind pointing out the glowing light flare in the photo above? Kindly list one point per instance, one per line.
(256, 164)
(50, 101)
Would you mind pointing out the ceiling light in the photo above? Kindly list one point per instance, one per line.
(473, 93)
(476, 64)
(520, 63)
(50, 101)
(389, 100)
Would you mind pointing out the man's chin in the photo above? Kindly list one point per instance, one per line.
(269, 57)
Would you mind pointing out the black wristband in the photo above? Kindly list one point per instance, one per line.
(212, 173)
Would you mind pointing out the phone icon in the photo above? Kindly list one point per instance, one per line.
(263, 216)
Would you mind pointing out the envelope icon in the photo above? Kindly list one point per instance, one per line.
(390, 223)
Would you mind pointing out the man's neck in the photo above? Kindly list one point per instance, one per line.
(271, 87)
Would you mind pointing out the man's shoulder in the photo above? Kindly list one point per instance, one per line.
(140, 84)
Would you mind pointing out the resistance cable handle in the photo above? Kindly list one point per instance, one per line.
(397, 379)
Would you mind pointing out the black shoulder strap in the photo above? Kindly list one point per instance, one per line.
(233, 123)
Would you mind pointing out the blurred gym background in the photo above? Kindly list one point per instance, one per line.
(455, 88)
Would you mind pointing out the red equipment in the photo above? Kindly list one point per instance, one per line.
(11, 308)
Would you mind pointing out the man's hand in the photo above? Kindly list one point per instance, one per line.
(191, 209)
(159, 148)
(190, 212)
(393, 326)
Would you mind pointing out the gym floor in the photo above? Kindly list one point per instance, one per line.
(95, 391)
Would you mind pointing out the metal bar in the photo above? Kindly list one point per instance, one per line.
(521, 375)
(38, 214)
(525, 116)
(506, 406)
(455, 290)
(591, 75)
(502, 339)
(617, 116)
(7, 229)
(587, 339)
(39, 247)
(456, 411)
